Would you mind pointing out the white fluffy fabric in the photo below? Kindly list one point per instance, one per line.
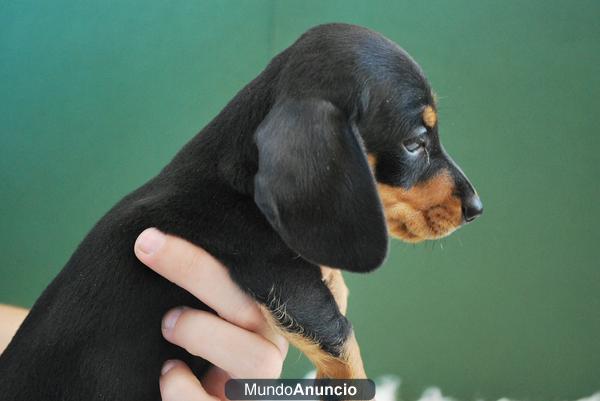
(388, 386)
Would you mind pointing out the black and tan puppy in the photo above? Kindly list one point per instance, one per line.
(300, 171)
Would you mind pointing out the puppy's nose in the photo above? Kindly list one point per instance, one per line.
(472, 208)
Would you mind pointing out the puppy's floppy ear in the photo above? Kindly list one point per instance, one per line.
(315, 187)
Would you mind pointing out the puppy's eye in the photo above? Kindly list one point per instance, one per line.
(413, 145)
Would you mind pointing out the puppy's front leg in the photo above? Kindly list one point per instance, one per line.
(351, 360)
(313, 321)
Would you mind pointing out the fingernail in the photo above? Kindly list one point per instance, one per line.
(170, 319)
(168, 365)
(282, 344)
(150, 241)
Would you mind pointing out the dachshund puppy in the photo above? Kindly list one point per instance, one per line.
(303, 173)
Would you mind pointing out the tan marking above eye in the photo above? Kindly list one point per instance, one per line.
(429, 116)
(371, 160)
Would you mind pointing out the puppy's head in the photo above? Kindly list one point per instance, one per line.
(425, 195)
(350, 151)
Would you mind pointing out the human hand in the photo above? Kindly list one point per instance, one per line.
(238, 342)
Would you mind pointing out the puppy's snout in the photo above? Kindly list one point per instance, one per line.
(471, 207)
(470, 203)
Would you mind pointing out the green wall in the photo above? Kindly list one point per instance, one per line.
(96, 96)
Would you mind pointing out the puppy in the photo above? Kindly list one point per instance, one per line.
(304, 172)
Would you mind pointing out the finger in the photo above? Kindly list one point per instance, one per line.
(242, 353)
(193, 269)
(214, 382)
(178, 383)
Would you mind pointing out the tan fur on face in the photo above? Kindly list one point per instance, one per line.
(429, 116)
(428, 210)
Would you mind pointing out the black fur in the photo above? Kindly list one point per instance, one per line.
(312, 135)
(275, 185)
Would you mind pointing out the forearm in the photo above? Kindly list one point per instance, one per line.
(11, 318)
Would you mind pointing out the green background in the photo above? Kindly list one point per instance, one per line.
(95, 97)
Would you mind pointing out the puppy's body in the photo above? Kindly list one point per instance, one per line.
(274, 186)
(95, 332)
